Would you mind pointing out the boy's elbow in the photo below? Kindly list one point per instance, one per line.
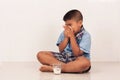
(60, 50)
(78, 53)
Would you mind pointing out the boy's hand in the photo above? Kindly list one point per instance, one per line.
(68, 32)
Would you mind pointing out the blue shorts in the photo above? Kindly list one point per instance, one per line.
(64, 57)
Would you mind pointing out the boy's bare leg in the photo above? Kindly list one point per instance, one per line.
(79, 65)
(47, 59)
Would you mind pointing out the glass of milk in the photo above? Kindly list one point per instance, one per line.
(57, 68)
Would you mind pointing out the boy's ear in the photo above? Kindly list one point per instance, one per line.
(80, 22)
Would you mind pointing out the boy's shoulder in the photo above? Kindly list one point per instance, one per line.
(86, 35)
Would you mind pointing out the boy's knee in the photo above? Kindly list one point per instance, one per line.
(85, 65)
(39, 55)
(85, 62)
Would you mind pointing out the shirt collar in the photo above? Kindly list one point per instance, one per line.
(80, 33)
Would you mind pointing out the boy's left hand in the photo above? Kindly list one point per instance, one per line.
(69, 30)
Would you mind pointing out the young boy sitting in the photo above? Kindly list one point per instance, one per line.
(74, 47)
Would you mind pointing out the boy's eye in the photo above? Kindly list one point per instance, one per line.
(69, 24)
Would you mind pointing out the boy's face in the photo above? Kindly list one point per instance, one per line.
(75, 25)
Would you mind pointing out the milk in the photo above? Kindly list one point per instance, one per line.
(57, 68)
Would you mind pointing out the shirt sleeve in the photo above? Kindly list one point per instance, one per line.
(60, 39)
(85, 43)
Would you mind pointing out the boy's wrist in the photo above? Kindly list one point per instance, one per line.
(72, 36)
(66, 38)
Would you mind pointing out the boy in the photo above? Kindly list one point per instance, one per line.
(74, 47)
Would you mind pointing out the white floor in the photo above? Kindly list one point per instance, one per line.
(29, 71)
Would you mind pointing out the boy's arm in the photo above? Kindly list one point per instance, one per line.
(75, 47)
(63, 44)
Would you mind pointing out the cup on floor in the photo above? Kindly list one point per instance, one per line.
(57, 68)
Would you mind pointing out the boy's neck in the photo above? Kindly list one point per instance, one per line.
(78, 30)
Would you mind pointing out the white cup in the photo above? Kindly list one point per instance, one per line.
(57, 68)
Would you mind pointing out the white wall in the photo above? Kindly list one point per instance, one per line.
(104, 27)
(28, 26)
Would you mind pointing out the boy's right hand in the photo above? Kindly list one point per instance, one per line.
(67, 31)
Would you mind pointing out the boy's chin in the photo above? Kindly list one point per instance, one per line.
(74, 32)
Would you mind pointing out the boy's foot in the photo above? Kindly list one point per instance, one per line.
(46, 68)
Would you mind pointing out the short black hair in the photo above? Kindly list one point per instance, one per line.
(73, 14)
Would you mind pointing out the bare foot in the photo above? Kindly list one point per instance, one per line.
(46, 68)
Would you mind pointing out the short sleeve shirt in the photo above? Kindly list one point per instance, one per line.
(83, 40)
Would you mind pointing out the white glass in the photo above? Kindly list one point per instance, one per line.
(57, 68)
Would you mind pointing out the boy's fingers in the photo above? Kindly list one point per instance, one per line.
(64, 27)
(68, 28)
